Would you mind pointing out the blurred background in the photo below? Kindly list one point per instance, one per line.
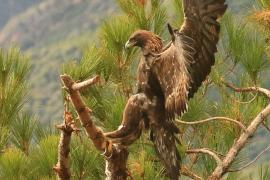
(50, 32)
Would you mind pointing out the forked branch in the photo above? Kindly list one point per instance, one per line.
(86, 83)
(94, 133)
(115, 154)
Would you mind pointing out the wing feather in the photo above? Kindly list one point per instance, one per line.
(184, 65)
(202, 26)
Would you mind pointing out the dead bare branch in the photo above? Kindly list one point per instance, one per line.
(218, 153)
(206, 151)
(241, 125)
(264, 91)
(84, 84)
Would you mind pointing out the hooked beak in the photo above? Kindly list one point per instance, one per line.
(129, 44)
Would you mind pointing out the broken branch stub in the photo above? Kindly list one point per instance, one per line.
(67, 127)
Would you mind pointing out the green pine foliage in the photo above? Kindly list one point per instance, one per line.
(22, 132)
(27, 151)
(14, 68)
(43, 157)
(86, 163)
(14, 165)
(264, 3)
(4, 133)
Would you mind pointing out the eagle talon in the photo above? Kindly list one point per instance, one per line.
(108, 150)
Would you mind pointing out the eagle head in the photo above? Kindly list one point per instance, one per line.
(146, 40)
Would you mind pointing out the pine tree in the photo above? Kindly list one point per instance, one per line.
(26, 150)
(15, 125)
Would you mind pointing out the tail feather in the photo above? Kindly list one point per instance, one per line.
(165, 145)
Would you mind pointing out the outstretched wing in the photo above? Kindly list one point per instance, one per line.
(183, 66)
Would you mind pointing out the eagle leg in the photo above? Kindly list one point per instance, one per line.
(132, 122)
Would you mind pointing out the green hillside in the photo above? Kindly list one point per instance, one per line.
(12, 7)
(50, 32)
(53, 20)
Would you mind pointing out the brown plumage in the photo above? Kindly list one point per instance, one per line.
(151, 42)
(170, 76)
(162, 129)
(185, 64)
(132, 122)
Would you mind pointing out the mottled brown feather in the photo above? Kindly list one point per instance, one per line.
(183, 66)
(203, 28)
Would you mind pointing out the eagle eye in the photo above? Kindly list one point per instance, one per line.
(132, 39)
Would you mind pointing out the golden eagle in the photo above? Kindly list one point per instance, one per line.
(168, 76)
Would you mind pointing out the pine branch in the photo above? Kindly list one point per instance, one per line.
(251, 162)
(206, 151)
(247, 102)
(115, 154)
(222, 168)
(241, 125)
(264, 91)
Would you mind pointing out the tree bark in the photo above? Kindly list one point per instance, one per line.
(62, 166)
(115, 155)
